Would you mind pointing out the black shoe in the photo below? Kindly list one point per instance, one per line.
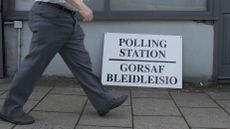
(115, 102)
(22, 120)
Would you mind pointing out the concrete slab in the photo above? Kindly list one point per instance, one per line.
(28, 106)
(37, 94)
(2, 92)
(225, 104)
(225, 95)
(62, 103)
(200, 128)
(153, 93)
(119, 117)
(4, 86)
(3, 96)
(42, 88)
(206, 117)
(98, 127)
(193, 100)
(5, 125)
(67, 91)
(159, 122)
(150, 106)
(51, 120)
(119, 92)
(34, 96)
(56, 81)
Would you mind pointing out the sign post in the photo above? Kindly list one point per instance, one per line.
(140, 60)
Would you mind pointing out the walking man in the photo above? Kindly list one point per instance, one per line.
(56, 30)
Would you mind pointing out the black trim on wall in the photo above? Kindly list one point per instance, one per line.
(1, 44)
(221, 68)
(11, 14)
(216, 41)
(5, 8)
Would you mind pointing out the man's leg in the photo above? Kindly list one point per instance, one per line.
(78, 60)
(47, 40)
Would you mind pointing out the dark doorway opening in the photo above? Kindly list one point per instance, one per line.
(222, 42)
(1, 43)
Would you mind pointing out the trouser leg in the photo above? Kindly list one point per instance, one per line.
(43, 48)
(78, 60)
(26, 77)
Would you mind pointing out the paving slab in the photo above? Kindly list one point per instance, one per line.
(2, 92)
(158, 122)
(66, 83)
(68, 91)
(193, 100)
(37, 94)
(153, 93)
(62, 103)
(217, 95)
(5, 80)
(151, 106)
(30, 104)
(51, 120)
(3, 96)
(42, 88)
(4, 86)
(119, 117)
(206, 117)
(99, 127)
(5, 125)
(225, 104)
(202, 128)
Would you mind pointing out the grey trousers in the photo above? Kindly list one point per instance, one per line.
(54, 31)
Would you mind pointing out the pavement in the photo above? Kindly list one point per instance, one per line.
(64, 105)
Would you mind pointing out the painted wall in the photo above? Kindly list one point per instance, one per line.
(197, 45)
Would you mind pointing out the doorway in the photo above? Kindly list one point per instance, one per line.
(1, 43)
(222, 37)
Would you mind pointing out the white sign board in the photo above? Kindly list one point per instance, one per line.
(142, 60)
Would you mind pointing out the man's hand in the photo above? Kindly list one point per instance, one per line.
(85, 11)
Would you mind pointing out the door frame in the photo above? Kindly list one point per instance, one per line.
(218, 42)
(1, 43)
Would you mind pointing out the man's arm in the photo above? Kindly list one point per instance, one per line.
(84, 10)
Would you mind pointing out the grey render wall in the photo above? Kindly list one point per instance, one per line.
(197, 45)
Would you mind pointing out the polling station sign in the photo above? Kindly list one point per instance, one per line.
(142, 60)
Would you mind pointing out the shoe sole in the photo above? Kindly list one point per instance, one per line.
(103, 114)
(3, 117)
(119, 103)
